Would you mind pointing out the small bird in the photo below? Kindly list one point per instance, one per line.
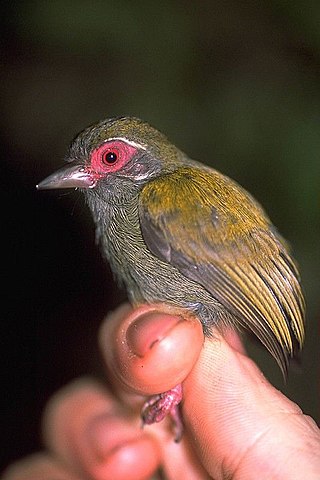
(180, 233)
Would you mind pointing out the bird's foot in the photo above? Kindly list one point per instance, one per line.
(158, 406)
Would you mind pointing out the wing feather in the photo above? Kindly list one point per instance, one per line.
(216, 234)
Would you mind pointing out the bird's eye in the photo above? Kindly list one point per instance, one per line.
(109, 158)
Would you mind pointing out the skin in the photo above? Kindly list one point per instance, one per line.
(237, 426)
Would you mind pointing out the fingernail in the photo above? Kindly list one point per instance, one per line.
(149, 329)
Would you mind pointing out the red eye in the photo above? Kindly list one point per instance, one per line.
(111, 156)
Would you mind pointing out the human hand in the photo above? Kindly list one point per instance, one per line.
(236, 424)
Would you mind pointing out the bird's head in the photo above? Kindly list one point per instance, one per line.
(118, 149)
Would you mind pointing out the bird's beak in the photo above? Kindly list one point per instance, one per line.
(75, 176)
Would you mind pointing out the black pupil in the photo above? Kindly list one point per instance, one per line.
(110, 157)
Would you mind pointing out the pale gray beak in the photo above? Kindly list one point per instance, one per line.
(74, 176)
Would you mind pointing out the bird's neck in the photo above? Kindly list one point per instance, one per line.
(118, 231)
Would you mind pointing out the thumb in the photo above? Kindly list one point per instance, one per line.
(241, 426)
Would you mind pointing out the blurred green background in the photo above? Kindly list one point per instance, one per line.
(234, 84)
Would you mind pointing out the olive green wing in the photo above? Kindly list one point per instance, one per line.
(216, 234)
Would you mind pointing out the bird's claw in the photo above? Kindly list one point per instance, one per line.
(159, 406)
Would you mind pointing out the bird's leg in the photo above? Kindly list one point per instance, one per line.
(166, 403)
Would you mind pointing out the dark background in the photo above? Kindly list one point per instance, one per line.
(235, 84)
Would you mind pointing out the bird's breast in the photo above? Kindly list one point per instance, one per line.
(146, 277)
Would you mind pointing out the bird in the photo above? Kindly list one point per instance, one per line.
(178, 232)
